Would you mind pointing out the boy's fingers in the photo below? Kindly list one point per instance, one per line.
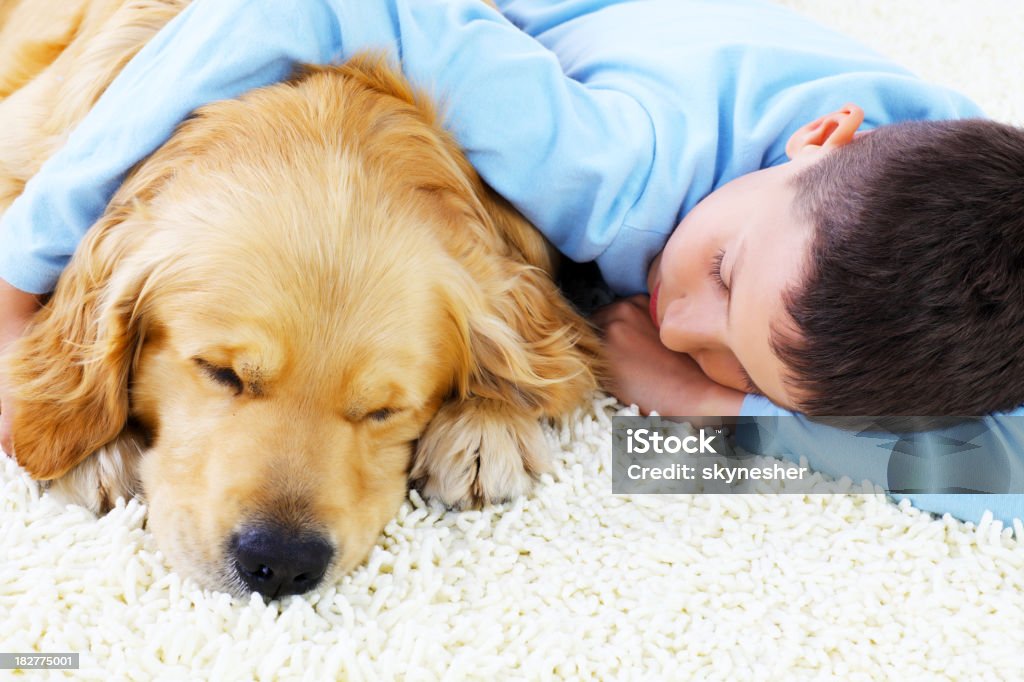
(623, 309)
(623, 323)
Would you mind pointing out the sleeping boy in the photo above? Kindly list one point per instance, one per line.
(818, 230)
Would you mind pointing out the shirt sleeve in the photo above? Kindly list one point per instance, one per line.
(989, 448)
(554, 148)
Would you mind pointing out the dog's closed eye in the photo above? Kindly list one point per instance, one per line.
(224, 376)
(383, 414)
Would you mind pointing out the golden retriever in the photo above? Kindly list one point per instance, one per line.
(303, 299)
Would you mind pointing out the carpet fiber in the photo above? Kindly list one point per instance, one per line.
(573, 582)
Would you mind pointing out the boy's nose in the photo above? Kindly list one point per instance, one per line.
(691, 328)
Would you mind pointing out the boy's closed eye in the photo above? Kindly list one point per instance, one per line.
(716, 275)
(716, 270)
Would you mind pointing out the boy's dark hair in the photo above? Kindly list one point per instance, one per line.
(913, 296)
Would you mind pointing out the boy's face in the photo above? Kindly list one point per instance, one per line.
(717, 287)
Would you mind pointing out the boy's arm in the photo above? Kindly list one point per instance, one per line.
(643, 372)
(193, 60)
(524, 124)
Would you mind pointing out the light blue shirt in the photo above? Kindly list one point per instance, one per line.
(998, 450)
(602, 121)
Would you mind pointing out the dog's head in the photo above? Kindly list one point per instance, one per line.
(279, 301)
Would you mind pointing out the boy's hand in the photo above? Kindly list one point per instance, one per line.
(646, 373)
(16, 309)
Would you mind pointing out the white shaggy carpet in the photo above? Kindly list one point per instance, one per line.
(574, 582)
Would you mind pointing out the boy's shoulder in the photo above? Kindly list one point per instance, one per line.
(744, 74)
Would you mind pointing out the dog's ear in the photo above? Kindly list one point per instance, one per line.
(524, 344)
(529, 346)
(69, 374)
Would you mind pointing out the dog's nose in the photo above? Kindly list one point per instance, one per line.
(275, 563)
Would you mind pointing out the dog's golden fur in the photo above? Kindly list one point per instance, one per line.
(304, 298)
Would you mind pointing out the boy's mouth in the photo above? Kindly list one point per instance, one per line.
(654, 305)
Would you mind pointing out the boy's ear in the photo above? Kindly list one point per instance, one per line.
(827, 132)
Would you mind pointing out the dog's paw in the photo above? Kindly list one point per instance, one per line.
(109, 473)
(476, 453)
